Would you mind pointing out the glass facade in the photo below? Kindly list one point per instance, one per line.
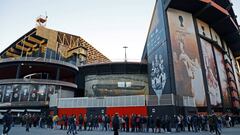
(116, 85)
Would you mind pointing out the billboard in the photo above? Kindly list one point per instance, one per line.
(16, 92)
(216, 37)
(157, 50)
(33, 92)
(204, 29)
(116, 85)
(159, 72)
(223, 77)
(50, 91)
(8, 93)
(24, 92)
(42, 89)
(1, 92)
(186, 60)
(211, 73)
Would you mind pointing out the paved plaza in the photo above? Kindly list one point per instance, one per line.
(17, 130)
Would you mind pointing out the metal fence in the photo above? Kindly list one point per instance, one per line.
(165, 99)
(101, 101)
(139, 100)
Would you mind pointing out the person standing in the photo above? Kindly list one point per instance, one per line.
(55, 120)
(80, 122)
(127, 123)
(27, 118)
(7, 121)
(116, 124)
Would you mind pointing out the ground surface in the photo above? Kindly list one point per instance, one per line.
(17, 130)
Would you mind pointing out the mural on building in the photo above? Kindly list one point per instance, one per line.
(211, 73)
(157, 55)
(187, 69)
(223, 77)
(7, 93)
(116, 85)
(26, 92)
(16, 92)
(204, 29)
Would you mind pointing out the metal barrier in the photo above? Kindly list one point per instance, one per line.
(165, 99)
(118, 101)
(101, 101)
(189, 101)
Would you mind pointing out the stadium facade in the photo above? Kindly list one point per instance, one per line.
(189, 65)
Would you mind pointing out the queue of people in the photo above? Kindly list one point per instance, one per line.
(139, 123)
(124, 123)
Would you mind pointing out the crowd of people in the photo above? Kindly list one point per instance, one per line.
(124, 123)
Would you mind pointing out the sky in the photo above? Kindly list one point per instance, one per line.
(108, 25)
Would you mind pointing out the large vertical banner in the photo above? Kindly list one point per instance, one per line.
(222, 76)
(187, 69)
(42, 92)
(24, 92)
(157, 55)
(16, 92)
(204, 29)
(1, 92)
(235, 85)
(8, 93)
(33, 92)
(211, 73)
(50, 91)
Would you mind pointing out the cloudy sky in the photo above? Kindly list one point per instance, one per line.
(108, 25)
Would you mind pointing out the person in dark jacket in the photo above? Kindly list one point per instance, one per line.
(151, 123)
(127, 123)
(116, 124)
(7, 121)
(80, 122)
(71, 125)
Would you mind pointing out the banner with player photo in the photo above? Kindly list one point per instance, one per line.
(211, 73)
(223, 77)
(16, 92)
(8, 93)
(1, 92)
(33, 92)
(186, 58)
(24, 92)
(50, 91)
(42, 92)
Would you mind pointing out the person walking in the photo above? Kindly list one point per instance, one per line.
(7, 121)
(71, 125)
(116, 124)
(27, 119)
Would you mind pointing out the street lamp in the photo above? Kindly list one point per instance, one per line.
(125, 47)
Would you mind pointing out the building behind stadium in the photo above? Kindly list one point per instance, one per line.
(190, 64)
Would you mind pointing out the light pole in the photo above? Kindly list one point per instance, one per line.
(125, 47)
